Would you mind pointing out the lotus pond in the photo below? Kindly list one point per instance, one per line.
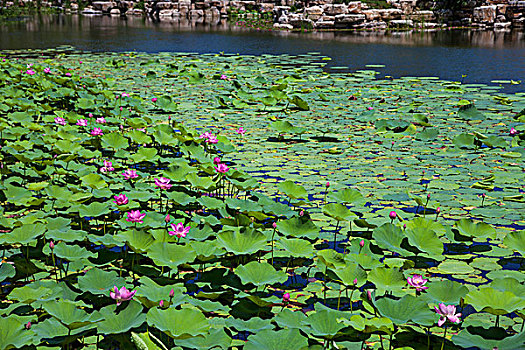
(199, 201)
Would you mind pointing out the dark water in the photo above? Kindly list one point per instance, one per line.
(481, 55)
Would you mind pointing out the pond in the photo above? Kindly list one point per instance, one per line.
(483, 56)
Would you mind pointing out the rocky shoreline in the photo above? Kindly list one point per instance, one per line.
(319, 14)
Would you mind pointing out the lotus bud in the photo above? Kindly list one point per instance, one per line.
(28, 325)
(362, 243)
(161, 303)
(154, 99)
(51, 245)
(513, 132)
(428, 196)
(392, 215)
(483, 195)
(90, 115)
(438, 210)
(404, 226)
(274, 225)
(369, 294)
(301, 213)
(286, 297)
(172, 293)
(327, 184)
(354, 281)
(167, 219)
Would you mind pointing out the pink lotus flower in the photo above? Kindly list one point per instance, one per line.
(212, 139)
(172, 293)
(135, 216)
(121, 295)
(30, 72)
(60, 121)
(513, 132)
(82, 122)
(179, 230)
(108, 166)
(274, 225)
(121, 199)
(154, 99)
(369, 108)
(28, 325)
(101, 120)
(205, 135)
(51, 245)
(124, 94)
(224, 77)
(447, 312)
(163, 183)
(241, 131)
(47, 70)
(130, 174)
(216, 161)
(286, 297)
(392, 215)
(418, 282)
(222, 168)
(97, 132)
(90, 115)
(68, 74)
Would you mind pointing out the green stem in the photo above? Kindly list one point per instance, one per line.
(444, 338)
(272, 244)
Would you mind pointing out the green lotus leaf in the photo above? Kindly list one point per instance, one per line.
(446, 292)
(495, 141)
(181, 198)
(184, 323)
(72, 252)
(408, 308)
(154, 293)
(289, 319)
(390, 237)
(6, 271)
(470, 229)
(298, 227)
(247, 242)
(50, 328)
(350, 272)
(420, 222)
(200, 182)
(425, 240)
(94, 209)
(171, 255)
(13, 334)
(292, 190)
(24, 234)
(464, 141)
(29, 294)
(113, 323)
(285, 339)
(494, 301)
(254, 324)
(94, 181)
(338, 212)
(282, 126)
(143, 341)
(114, 140)
(428, 134)
(322, 324)
(100, 282)
(347, 196)
(67, 313)
(516, 241)
(296, 247)
(215, 338)
(509, 284)
(212, 203)
(138, 240)
(207, 250)
(260, 274)
(465, 339)
(139, 137)
(470, 112)
(387, 279)
(452, 266)
(332, 259)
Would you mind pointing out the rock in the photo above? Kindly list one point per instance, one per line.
(196, 13)
(502, 25)
(401, 23)
(90, 11)
(266, 7)
(422, 16)
(484, 14)
(390, 14)
(353, 7)
(324, 24)
(115, 12)
(282, 26)
(166, 13)
(350, 18)
(372, 14)
(335, 9)
(314, 10)
(104, 6)
(163, 5)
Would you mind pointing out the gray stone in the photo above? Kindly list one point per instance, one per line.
(484, 14)
(115, 12)
(502, 25)
(266, 7)
(282, 26)
(350, 18)
(166, 13)
(196, 13)
(401, 23)
(354, 7)
(104, 6)
(335, 9)
(314, 10)
(324, 24)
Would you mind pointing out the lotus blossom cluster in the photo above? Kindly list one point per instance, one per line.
(121, 294)
(97, 132)
(30, 72)
(447, 312)
(81, 122)
(241, 131)
(418, 282)
(135, 216)
(162, 183)
(121, 199)
(101, 120)
(209, 138)
(108, 167)
(130, 174)
(179, 230)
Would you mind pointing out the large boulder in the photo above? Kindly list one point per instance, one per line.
(335, 9)
(104, 6)
(401, 23)
(484, 14)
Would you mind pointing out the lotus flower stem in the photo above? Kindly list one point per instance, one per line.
(339, 300)
(273, 234)
(335, 234)
(444, 338)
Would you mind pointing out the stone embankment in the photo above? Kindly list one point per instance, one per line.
(325, 14)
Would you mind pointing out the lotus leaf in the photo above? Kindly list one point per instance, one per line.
(112, 322)
(260, 274)
(408, 308)
(246, 242)
(494, 301)
(184, 323)
(99, 282)
(277, 340)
